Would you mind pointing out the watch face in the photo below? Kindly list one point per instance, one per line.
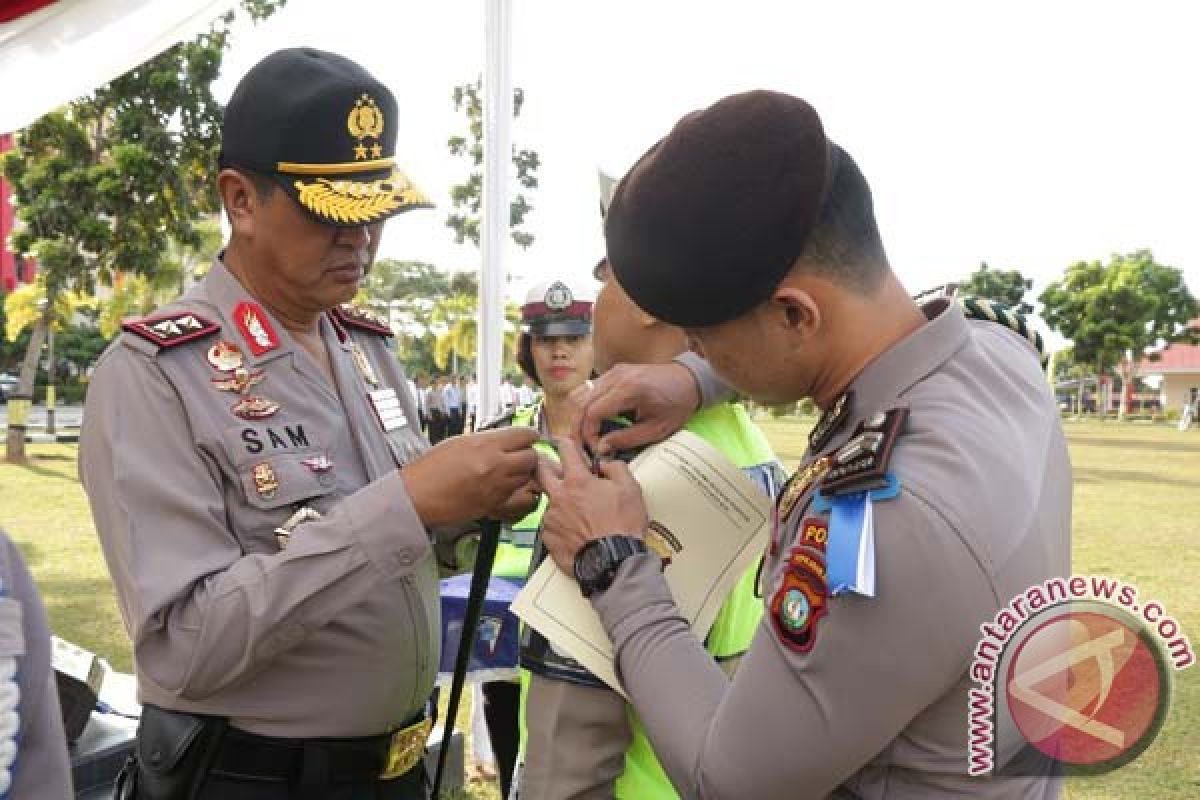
(592, 561)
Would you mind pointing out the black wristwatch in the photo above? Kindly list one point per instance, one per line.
(596, 564)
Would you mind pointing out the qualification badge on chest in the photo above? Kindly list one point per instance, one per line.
(265, 481)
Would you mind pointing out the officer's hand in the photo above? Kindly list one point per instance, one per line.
(519, 503)
(661, 396)
(583, 506)
(472, 476)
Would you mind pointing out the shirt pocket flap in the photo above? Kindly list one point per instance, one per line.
(285, 480)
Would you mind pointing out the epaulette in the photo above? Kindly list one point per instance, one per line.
(989, 311)
(363, 319)
(168, 330)
(861, 464)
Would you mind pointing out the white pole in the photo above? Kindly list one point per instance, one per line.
(497, 149)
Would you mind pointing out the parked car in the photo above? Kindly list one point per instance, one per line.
(8, 385)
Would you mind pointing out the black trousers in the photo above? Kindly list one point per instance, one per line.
(502, 702)
(437, 426)
(407, 787)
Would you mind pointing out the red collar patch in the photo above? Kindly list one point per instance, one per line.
(255, 327)
(801, 599)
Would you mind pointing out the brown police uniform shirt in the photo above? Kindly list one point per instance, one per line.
(336, 635)
(877, 707)
(41, 770)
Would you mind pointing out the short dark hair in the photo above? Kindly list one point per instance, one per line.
(264, 185)
(844, 244)
(525, 357)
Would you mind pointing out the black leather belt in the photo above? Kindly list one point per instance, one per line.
(250, 756)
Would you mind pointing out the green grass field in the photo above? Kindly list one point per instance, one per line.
(1137, 518)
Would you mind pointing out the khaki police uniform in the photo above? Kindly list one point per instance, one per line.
(866, 697)
(33, 749)
(268, 563)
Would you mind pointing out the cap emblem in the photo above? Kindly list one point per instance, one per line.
(558, 297)
(366, 122)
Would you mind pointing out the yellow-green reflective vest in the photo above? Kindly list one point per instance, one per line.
(728, 428)
(515, 550)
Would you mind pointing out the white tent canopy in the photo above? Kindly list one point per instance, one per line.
(67, 49)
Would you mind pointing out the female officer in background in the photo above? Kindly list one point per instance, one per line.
(555, 353)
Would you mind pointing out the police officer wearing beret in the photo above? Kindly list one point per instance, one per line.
(942, 427)
(271, 515)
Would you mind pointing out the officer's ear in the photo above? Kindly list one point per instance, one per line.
(242, 200)
(797, 310)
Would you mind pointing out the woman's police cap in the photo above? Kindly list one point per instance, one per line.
(712, 217)
(325, 130)
(556, 309)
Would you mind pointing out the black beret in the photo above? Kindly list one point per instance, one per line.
(712, 217)
(325, 129)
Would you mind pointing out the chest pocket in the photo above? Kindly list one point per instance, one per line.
(273, 476)
(285, 480)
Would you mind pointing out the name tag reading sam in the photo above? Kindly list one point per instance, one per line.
(387, 407)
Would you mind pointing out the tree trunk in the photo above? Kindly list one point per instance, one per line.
(21, 402)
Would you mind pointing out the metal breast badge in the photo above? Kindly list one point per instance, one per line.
(255, 407)
(225, 357)
(265, 481)
(242, 380)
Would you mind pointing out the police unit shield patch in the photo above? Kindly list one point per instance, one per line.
(801, 599)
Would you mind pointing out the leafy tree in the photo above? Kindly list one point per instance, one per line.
(1115, 312)
(104, 185)
(464, 219)
(1002, 286)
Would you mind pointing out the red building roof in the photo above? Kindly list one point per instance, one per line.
(1174, 358)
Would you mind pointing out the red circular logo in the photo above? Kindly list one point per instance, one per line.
(1088, 688)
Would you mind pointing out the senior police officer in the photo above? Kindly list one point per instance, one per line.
(268, 509)
(940, 429)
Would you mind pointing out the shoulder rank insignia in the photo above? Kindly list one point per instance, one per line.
(830, 421)
(168, 330)
(988, 311)
(861, 464)
(363, 319)
(801, 599)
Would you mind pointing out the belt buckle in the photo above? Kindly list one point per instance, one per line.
(406, 748)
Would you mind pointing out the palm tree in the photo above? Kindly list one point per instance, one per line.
(454, 321)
